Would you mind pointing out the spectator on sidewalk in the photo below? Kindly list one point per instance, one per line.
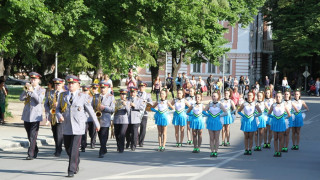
(209, 84)
(317, 86)
(130, 81)
(169, 84)
(109, 81)
(3, 94)
(235, 96)
(247, 81)
(219, 84)
(157, 87)
(241, 85)
(179, 81)
(231, 82)
(267, 82)
(193, 82)
(235, 83)
(184, 78)
(284, 84)
(201, 85)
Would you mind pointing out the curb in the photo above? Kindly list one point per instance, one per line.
(25, 144)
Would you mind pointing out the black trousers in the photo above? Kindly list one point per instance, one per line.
(120, 133)
(72, 144)
(132, 134)
(143, 129)
(57, 131)
(32, 129)
(91, 128)
(103, 137)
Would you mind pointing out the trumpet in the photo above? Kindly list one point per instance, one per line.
(27, 87)
(98, 114)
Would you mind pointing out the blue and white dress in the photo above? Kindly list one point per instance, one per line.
(278, 122)
(248, 121)
(228, 119)
(261, 120)
(289, 121)
(161, 116)
(196, 117)
(179, 116)
(269, 103)
(214, 121)
(297, 119)
(191, 101)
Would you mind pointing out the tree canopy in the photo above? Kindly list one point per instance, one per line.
(113, 35)
(296, 32)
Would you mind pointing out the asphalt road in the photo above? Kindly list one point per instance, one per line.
(179, 163)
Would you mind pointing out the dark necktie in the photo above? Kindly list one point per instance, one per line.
(71, 98)
(57, 93)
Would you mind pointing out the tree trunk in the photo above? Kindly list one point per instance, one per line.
(1, 64)
(8, 67)
(176, 64)
(154, 70)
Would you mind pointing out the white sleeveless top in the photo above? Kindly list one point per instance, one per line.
(214, 108)
(197, 109)
(269, 102)
(298, 104)
(261, 105)
(191, 101)
(164, 106)
(288, 104)
(179, 104)
(278, 110)
(226, 104)
(249, 108)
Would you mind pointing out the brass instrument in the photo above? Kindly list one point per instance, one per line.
(98, 112)
(119, 105)
(64, 105)
(148, 107)
(91, 93)
(27, 87)
(53, 109)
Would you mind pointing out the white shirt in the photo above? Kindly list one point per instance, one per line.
(317, 84)
(284, 83)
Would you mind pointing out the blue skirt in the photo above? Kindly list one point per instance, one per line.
(278, 125)
(269, 119)
(262, 121)
(179, 119)
(228, 119)
(161, 119)
(196, 122)
(214, 124)
(298, 120)
(248, 124)
(289, 121)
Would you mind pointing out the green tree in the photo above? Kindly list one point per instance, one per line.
(296, 30)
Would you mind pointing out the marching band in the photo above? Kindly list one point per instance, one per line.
(74, 113)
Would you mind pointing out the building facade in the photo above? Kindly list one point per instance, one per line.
(247, 57)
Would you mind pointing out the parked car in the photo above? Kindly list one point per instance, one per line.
(13, 81)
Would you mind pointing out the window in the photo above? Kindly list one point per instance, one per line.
(197, 68)
(227, 66)
(148, 68)
(211, 68)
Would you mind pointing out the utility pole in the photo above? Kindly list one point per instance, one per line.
(56, 66)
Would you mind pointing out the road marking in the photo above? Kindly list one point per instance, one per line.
(207, 171)
(151, 176)
(168, 165)
(309, 121)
